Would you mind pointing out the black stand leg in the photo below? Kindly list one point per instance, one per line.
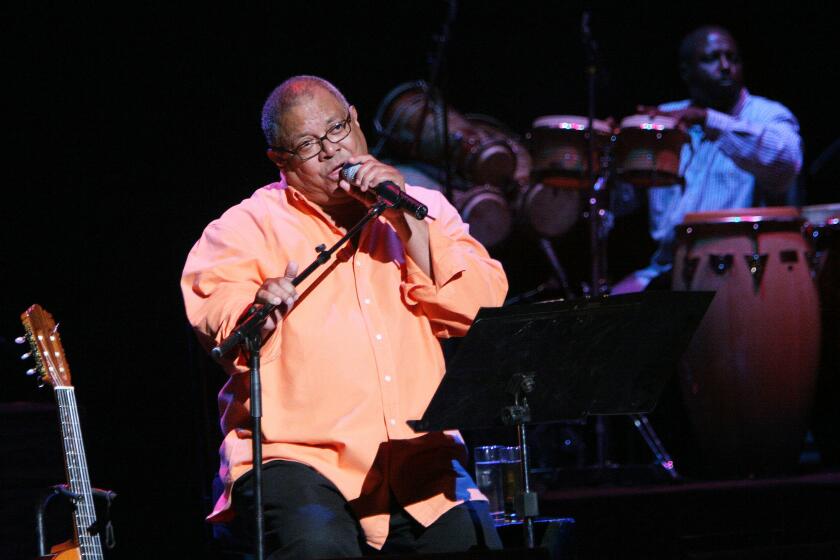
(253, 344)
(663, 459)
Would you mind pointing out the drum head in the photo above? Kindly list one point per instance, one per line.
(571, 122)
(822, 214)
(550, 212)
(735, 215)
(645, 122)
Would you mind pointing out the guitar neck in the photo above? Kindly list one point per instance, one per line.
(78, 478)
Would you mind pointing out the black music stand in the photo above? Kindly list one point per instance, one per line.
(563, 360)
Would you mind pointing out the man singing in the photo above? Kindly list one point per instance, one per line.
(350, 354)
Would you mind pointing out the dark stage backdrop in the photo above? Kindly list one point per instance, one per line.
(129, 128)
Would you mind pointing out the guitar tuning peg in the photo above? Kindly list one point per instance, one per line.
(20, 340)
(25, 355)
(30, 371)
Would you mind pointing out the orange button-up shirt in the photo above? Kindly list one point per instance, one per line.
(355, 358)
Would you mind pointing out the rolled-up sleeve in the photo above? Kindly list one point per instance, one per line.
(771, 150)
(220, 279)
(466, 278)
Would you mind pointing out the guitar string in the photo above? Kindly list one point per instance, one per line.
(80, 509)
(85, 514)
(80, 484)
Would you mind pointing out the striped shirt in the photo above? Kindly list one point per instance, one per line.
(750, 157)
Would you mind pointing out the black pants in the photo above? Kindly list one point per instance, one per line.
(307, 517)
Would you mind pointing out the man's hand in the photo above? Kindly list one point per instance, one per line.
(686, 118)
(279, 292)
(413, 233)
(371, 173)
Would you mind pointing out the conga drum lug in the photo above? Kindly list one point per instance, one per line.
(720, 263)
(756, 264)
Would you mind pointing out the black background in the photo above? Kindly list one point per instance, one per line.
(129, 128)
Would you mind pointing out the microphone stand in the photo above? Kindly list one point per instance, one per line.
(248, 334)
(598, 285)
(436, 63)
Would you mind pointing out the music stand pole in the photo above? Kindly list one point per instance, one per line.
(517, 415)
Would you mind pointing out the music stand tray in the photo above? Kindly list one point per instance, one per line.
(606, 355)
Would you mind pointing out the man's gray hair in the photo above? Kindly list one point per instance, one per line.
(287, 95)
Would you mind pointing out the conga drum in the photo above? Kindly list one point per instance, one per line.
(413, 108)
(749, 373)
(484, 207)
(823, 232)
(648, 151)
(558, 145)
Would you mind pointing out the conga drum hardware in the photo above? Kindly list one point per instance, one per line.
(719, 263)
(750, 227)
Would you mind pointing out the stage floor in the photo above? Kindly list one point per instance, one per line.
(784, 517)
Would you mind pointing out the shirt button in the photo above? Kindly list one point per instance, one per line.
(387, 378)
(378, 337)
(392, 421)
(358, 263)
(367, 300)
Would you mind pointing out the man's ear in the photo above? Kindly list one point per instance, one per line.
(354, 116)
(278, 159)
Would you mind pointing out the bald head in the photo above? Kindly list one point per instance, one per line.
(697, 38)
(287, 95)
(710, 65)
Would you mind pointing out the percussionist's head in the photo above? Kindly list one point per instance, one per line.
(710, 65)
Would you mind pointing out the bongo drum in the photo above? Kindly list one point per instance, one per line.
(548, 211)
(647, 151)
(748, 375)
(477, 156)
(823, 232)
(558, 145)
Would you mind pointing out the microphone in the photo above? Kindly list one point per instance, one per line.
(389, 192)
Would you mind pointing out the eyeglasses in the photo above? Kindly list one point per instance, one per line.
(311, 147)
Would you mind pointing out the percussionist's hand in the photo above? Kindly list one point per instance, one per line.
(279, 292)
(687, 117)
